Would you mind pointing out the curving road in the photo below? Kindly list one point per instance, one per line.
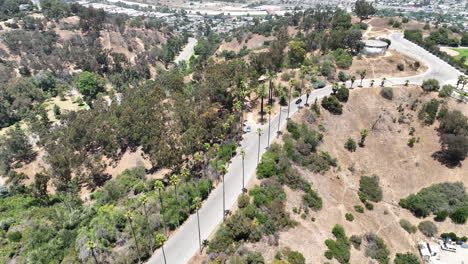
(182, 245)
(187, 52)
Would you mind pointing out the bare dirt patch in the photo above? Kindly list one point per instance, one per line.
(251, 41)
(450, 51)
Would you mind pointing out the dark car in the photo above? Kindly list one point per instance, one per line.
(299, 101)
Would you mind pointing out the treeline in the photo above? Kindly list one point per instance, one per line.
(440, 37)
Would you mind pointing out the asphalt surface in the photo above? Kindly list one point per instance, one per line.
(182, 245)
(187, 51)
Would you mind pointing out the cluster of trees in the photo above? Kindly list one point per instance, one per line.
(444, 199)
(338, 249)
(454, 135)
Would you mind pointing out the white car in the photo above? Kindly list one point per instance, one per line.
(247, 129)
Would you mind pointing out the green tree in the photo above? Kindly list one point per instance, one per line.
(91, 246)
(159, 186)
(222, 171)
(90, 84)
(350, 145)
(160, 241)
(243, 153)
(406, 258)
(196, 206)
(364, 9)
(296, 52)
(129, 216)
(259, 133)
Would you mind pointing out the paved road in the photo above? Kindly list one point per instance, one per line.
(187, 51)
(184, 243)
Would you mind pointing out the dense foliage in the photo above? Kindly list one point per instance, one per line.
(338, 249)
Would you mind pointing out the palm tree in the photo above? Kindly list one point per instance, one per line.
(461, 78)
(129, 216)
(406, 82)
(159, 185)
(289, 99)
(160, 240)
(353, 79)
(362, 74)
(269, 125)
(143, 199)
(383, 81)
(259, 133)
(335, 87)
(242, 152)
(238, 108)
(223, 170)
(197, 205)
(91, 246)
(174, 180)
(465, 81)
(372, 83)
(364, 134)
(262, 93)
(279, 122)
(271, 77)
(308, 91)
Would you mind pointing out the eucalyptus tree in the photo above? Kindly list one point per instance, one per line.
(243, 153)
(143, 199)
(91, 246)
(129, 216)
(160, 240)
(259, 133)
(222, 171)
(196, 206)
(269, 110)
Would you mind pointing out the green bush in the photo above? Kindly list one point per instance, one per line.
(460, 215)
(312, 199)
(428, 228)
(429, 112)
(407, 258)
(15, 236)
(343, 76)
(359, 209)
(411, 142)
(342, 94)
(446, 90)
(441, 216)
(255, 258)
(400, 66)
(406, 225)
(296, 257)
(376, 248)
(243, 201)
(430, 85)
(349, 217)
(370, 187)
(339, 248)
(343, 59)
(332, 104)
(356, 241)
(387, 93)
(369, 205)
(350, 145)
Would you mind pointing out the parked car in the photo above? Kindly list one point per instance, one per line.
(298, 101)
(247, 129)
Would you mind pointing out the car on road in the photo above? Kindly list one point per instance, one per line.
(247, 129)
(299, 101)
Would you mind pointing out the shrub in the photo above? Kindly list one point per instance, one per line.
(387, 93)
(441, 216)
(356, 241)
(332, 104)
(343, 76)
(436, 198)
(350, 145)
(369, 205)
(349, 217)
(429, 112)
(312, 199)
(15, 236)
(376, 248)
(318, 85)
(359, 209)
(400, 66)
(430, 85)
(411, 142)
(296, 257)
(327, 69)
(339, 248)
(446, 90)
(343, 59)
(460, 215)
(255, 258)
(407, 258)
(428, 228)
(370, 187)
(342, 94)
(406, 225)
(243, 201)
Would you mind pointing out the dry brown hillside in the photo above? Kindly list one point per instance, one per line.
(402, 171)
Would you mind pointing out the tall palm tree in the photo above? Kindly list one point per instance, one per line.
(261, 93)
(362, 74)
(160, 240)
(238, 108)
(259, 133)
(143, 199)
(129, 216)
(353, 79)
(174, 180)
(406, 82)
(372, 83)
(243, 153)
(271, 76)
(461, 78)
(91, 246)
(223, 170)
(308, 91)
(279, 122)
(383, 81)
(197, 205)
(289, 99)
(159, 185)
(269, 124)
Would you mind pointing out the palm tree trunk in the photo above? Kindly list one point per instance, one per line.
(258, 155)
(150, 237)
(136, 241)
(279, 121)
(243, 175)
(162, 214)
(199, 233)
(261, 110)
(307, 100)
(177, 201)
(270, 93)
(269, 129)
(224, 201)
(164, 254)
(361, 81)
(289, 104)
(94, 255)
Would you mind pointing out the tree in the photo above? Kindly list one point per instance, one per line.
(428, 228)
(353, 79)
(350, 145)
(223, 170)
(174, 180)
(143, 199)
(269, 110)
(91, 246)
(296, 52)
(243, 153)
(196, 206)
(308, 91)
(362, 74)
(364, 9)
(383, 81)
(90, 84)
(160, 240)
(364, 134)
(261, 93)
(129, 216)
(14, 147)
(259, 133)
(430, 85)
(159, 185)
(271, 76)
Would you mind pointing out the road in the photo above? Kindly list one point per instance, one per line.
(181, 246)
(187, 51)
